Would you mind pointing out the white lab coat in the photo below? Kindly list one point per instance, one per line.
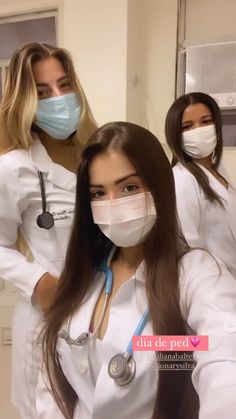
(20, 204)
(207, 224)
(208, 302)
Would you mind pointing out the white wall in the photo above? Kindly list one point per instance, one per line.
(136, 73)
(96, 34)
(210, 20)
(152, 28)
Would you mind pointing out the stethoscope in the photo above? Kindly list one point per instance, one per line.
(122, 367)
(44, 220)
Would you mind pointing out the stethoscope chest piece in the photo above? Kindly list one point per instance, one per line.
(45, 220)
(121, 369)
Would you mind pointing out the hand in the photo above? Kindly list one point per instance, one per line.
(44, 291)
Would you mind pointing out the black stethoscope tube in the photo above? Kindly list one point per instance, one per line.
(44, 220)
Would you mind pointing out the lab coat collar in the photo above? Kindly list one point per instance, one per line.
(139, 274)
(216, 184)
(86, 309)
(56, 173)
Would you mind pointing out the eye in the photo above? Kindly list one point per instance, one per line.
(43, 93)
(207, 121)
(66, 85)
(95, 195)
(186, 127)
(130, 188)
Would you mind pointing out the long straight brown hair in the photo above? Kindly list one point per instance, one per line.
(88, 247)
(173, 131)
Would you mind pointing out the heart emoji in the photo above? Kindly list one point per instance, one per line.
(195, 341)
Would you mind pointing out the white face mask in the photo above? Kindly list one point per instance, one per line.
(200, 142)
(125, 221)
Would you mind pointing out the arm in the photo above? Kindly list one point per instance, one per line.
(189, 206)
(44, 291)
(14, 267)
(210, 306)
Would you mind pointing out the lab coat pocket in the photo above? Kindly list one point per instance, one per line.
(49, 245)
(63, 219)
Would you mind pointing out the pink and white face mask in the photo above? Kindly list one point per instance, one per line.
(125, 221)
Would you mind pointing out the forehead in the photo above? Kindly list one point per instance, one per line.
(48, 70)
(108, 167)
(196, 111)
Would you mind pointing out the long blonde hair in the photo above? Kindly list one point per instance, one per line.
(19, 102)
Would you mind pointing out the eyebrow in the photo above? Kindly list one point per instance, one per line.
(204, 116)
(57, 81)
(117, 182)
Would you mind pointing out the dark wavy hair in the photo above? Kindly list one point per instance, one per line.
(88, 247)
(173, 131)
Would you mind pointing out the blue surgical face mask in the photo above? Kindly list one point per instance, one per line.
(58, 116)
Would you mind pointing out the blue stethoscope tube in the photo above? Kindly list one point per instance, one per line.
(139, 329)
(121, 367)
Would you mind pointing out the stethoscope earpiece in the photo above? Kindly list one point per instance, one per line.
(64, 335)
(81, 340)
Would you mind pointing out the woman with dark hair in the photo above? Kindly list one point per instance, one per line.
(206, 201)
(150, 284)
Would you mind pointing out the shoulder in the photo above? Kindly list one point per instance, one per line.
(197, 261)
(16, 169)
(224, 172)
(16, 163)
(185, 182)
(182, 173)
(15, 159)
(202, 273)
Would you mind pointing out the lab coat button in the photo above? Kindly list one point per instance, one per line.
(230, 327)
(82, 368)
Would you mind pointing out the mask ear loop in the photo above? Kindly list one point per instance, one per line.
(213, 157)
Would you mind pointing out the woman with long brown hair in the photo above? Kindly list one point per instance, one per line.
(129, 271)
(206, 199)
(45, 120)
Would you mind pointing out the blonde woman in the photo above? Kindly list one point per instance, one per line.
(45, 119)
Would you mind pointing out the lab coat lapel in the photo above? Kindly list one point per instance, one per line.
(79, 355)
(231, 213)
(228, 196)
(55, 173)
(82, 318)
